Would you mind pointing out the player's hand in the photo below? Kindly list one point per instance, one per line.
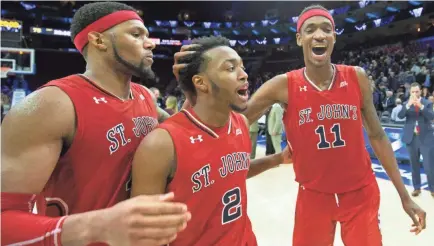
(286, 155)
(183, 52)
(143, 220)
(417, 214)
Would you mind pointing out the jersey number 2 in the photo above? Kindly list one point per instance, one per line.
(232, 209)
(323, 143)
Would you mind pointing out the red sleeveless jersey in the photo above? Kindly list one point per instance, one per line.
(324, 129)
(95, 171)
(211, 172)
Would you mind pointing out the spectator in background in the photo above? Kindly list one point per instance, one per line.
(416, 68)
(157, 95)
(253, 130)
(275, 126)
(389, 102)
(171, 105)
(394, 117)
(421, 76)
(425, 93)
(419, 137)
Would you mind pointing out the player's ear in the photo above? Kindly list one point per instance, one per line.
(298, 38)
(97, 40)
(199, 83)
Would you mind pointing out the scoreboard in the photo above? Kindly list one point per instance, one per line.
(11, 33)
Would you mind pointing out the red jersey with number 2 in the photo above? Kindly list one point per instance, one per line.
(211, 171)
(324, 129)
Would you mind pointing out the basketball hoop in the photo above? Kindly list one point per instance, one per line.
(5, 71)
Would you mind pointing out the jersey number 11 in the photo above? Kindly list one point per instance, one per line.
(323, 143)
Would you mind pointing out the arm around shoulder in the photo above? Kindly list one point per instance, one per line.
(153, 163)
(273, 91)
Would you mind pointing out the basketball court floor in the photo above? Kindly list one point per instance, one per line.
(271, 207)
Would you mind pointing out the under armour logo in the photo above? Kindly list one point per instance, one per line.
(193, 140)
(303, 88)
(98, 100)
(343, 83)
(238, 132)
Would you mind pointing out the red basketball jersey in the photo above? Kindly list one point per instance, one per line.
(211, 172)
(95, 172)
(324, 129)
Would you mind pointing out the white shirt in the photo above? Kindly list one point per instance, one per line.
(395, 112)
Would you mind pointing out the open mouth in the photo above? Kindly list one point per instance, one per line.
(243, 92)
(319, 50)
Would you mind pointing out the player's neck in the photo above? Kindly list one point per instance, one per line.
(113, 82)
(209, 114)
(320, 76)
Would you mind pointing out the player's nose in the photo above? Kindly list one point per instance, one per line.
(243, 76)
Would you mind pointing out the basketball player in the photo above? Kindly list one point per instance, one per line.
(327, 106)
(73, 140)
(202, 153)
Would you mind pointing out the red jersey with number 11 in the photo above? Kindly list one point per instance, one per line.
(324, 129)
(211, 171)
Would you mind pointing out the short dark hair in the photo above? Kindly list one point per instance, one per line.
(313, 6)
(196, 61)
(91, 12)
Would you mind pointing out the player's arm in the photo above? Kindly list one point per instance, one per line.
(162, 114)
(33, 133)
(257, 166)
(383, 149)
(153, 163)
(378, 138)
(32, 138)
(273, 91)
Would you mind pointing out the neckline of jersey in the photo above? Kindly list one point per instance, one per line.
(213, 131)
(315, 86)
(131, 96)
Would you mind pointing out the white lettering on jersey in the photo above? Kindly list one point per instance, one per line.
(200, 178)
(329, 112)
(303, 88)
(342, 84)
(116, 135)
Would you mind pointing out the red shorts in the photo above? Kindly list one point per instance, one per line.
(317, 213)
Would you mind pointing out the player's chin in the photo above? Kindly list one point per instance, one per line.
(239, 107)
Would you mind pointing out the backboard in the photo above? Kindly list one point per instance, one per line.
(22, 61)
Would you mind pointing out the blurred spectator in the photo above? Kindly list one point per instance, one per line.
(171, 105)
(394, 117)
(389, 102)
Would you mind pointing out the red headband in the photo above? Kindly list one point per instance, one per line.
(311, 13)
(103, 24)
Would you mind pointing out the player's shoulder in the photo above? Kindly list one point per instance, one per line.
(240, 118)
(158, 140)
(48, 108)
(177, 121)
(71, 80)
(342, 68)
